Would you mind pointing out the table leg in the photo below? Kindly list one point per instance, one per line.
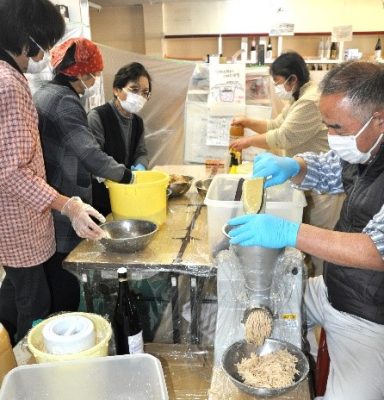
(175, 308)
(195, 310)
(87, 293)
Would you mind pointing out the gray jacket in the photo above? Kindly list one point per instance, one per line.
(71, 153)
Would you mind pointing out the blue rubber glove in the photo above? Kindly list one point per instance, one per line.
(263, 230)
(138, 167)
(278, 169)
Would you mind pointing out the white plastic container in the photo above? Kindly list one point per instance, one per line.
(281, 200)
(128, 377)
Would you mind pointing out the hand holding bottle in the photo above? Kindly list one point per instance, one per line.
(275, 169)
(80, 215)
(263, 230)
(240, 120)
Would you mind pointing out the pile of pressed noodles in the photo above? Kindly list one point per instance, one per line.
(273, 370)
(258, 326)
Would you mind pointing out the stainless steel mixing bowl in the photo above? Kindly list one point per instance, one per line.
(128, 236)
(241, 349)
(202, 186)
(179, 184)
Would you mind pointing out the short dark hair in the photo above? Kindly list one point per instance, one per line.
(21, 20)
(288, 64)
(360, 82)
(131, 72)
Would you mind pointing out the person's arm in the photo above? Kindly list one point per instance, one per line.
(257, 140)
(302, 123)
(358, 250)
(141, 152)
(77, 135)
(348, 249)
(257, 125)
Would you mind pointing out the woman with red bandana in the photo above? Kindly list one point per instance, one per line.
(71, 153)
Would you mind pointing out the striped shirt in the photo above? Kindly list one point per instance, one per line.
(324, 176)
(26, 225)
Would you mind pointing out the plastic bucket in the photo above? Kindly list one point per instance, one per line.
(145, 199)
(103, 335)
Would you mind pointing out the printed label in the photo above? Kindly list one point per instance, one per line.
(289, 316)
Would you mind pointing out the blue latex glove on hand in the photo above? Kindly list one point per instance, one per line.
(263, 230)
(138, 167)
(279, 169)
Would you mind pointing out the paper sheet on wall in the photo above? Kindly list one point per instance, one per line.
(218, 130)
(196, 122)
(226, 86)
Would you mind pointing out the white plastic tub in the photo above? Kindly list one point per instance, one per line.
(127, 377)
(281, 200)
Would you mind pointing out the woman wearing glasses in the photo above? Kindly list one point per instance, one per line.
(71, 153)
(118, 128)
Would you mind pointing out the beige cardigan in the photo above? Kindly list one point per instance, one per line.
(299, 128)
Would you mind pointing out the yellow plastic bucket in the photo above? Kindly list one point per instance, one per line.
(103, 329)
(145, 199)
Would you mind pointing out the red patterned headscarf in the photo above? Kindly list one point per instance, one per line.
(88, 58)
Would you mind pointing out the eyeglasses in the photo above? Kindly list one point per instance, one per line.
(136, 90)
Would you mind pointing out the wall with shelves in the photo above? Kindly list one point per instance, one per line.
(189, 30)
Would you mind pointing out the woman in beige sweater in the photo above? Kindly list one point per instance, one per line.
(298, 128)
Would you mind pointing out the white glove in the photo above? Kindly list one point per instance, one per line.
(79, 213)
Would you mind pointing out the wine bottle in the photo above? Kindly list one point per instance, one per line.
(378, 49)
(253, 52)
(269, 50)
(125, 322)
(321, 50)
(327, 49)
(333, 51)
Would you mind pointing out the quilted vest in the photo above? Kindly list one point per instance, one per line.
(353, 290)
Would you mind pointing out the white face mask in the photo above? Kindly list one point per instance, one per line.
(35, 67)
(282, 92)
(346, 146)
(92, 90)
(133, 103)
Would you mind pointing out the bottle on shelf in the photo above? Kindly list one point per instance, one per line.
(253, 52)
(327, 49)
(333, 51)
(269, 50)
(321, 49)
(126, 324)
(378, 49)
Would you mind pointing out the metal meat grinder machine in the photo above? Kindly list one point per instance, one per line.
(254, 277)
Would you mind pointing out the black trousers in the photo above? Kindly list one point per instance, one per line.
(24, 298)
(64, 286)
(32, 293)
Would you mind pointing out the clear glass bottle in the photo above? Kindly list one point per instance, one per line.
(126, 323)
(253, 52)
(269, 50)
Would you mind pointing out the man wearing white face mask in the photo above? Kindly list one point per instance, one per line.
(71, 153)
(348, 302)
(297, 129)
(118, 128)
